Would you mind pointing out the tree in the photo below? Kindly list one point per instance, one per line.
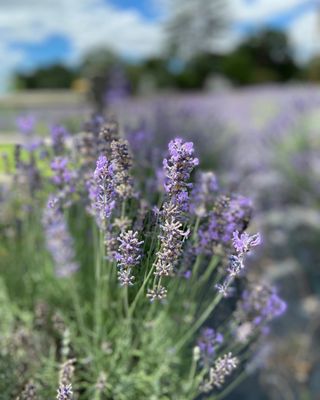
(52, 77)
(312, 71)
(194, 25)
(263, 56)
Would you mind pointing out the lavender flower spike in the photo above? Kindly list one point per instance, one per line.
(128, 256)
(64, 392)
(58, 240)
(223, 367)
(26, 124)
(122, 163)
(208, 341)
(244, 243)
(177, 170)
(101, 190)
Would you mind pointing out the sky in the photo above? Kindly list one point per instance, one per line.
(36, 33)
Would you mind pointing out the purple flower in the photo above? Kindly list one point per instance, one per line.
(172, 237)
(101, 190)
(33, 144)
(177, 170)
(203, 193)
(26, 124)
(59, 135)
(64, 392)
(235, 266)
(58, 240)
(157, 293)
(208, 341)
(187, 274)
(243, 242)
(63, 176)
(228, 215)
(128, 256)
(122, 162)
(259, 305)
(223, 367)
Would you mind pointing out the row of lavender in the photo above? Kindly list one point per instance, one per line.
(130, 276)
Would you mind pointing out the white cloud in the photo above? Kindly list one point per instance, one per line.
(83, 22)
(305, 35)
(259, 11)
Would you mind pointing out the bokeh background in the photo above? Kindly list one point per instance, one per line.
(238, 77)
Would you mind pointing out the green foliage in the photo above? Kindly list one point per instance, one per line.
(51, 77)
(262, 57)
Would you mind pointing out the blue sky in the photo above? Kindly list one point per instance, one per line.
(39, 32)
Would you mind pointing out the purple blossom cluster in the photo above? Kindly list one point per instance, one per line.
(59, 135)
(223, 367)
(27, 174)
(65, 392)
(128, 256)
(63, 176)
(208, 341)
(243, 244)
(259, 305)
(26, 124)
(58, 240)
(177, 169)
(172, 236)
(122, 163)
(227, 216)
(203, 193)
(101, 190)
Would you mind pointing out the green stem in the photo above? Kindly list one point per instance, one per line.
(77, 308)
(195, 229)
(141, 290)
(98, 290)
(195, 268)
(210, 269)
(199, 322)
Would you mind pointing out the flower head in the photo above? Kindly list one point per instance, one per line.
(58, 240)
(208, 341)
(59, 135)
(260, 304)
(244, 242)
(223, 367)
(178, 168)
(65, 392)
(128, 256)
(101, 190)
(26, 124)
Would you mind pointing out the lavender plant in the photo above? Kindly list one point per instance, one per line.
(152, 287)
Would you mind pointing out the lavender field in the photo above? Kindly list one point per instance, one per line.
(165, 249)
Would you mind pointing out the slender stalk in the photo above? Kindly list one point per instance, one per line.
(98, 290)
(195, 229)
(199, 322)
(141, 290)
(78, 309)
(210, 269)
